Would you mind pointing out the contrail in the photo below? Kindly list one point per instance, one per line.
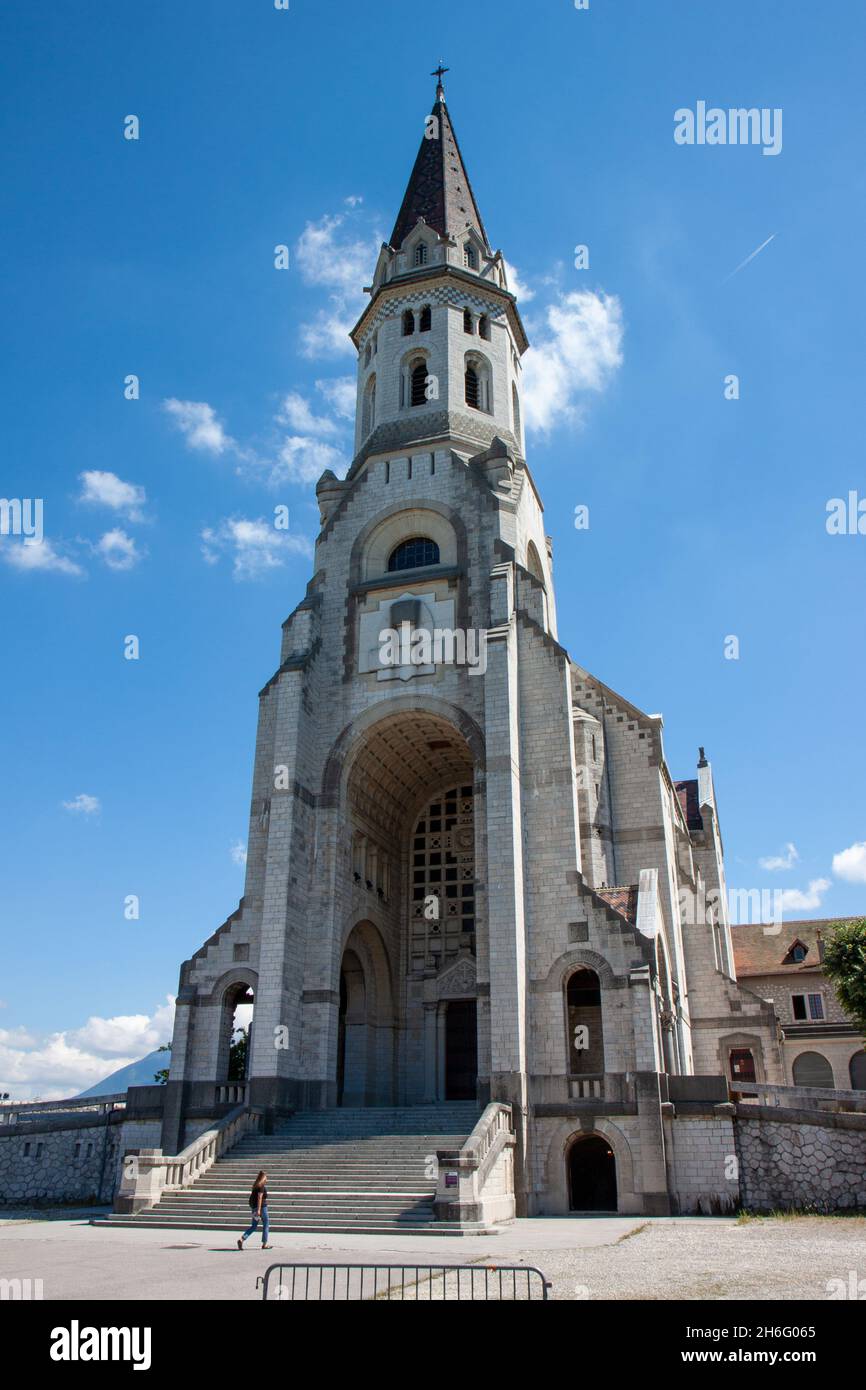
(749, 258)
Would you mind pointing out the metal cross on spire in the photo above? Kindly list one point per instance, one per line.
(439, 73)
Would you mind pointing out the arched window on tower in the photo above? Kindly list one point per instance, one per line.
(477, 392)
(515, 408)
(470, 256)
(468, 321)
(420, 257)
(426, 319)
(413, 554)
(368, 418)
(408, 323)
(484, 327)
(418, 384)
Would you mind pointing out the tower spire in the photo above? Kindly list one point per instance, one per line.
(439, 189)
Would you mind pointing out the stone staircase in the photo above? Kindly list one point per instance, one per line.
(345, 1170)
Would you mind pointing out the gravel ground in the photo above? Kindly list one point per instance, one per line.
(790, 1258)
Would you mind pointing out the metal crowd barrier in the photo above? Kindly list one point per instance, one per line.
(305, 1283)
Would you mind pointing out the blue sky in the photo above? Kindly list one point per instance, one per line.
(155, 257)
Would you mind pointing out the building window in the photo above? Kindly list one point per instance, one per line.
(470, 256)
(368, 354)
(857, 1071)
(807, 1007)
(515, 407)
(484, 327)
(812, 1069)
(742, 1065)
(468, 322)
(426, 318)
(418, 392)
(420, 257)
(408, 323)
(478, 394)
(443, 879)
(369, 412)
(585, 1033)
(413, 554)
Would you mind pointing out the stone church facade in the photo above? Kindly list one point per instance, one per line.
(468, 859)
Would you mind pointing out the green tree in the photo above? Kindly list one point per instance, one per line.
(238, 1054)
(845, 967)
(161, 1076)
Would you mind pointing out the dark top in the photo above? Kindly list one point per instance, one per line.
(254, 1197)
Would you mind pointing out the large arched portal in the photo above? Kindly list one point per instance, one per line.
(410, 805)
(591, 1174)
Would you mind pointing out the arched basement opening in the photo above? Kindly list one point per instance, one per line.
(591, 1174)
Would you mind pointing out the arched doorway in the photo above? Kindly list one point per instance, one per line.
(857, 1071)
(591, 1174)
(352, 1037)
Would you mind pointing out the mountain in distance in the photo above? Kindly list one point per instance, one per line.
(139, 1073)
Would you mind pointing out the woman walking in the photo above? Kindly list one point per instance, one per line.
(259, 1209)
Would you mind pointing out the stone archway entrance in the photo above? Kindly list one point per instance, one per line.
(591, 1174)
(411, 869)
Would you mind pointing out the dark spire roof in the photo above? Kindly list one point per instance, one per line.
(439, 189)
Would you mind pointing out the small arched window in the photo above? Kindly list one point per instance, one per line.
(413, 554)
(408, 323)
(368, 354)
(515, 406)
(418, 386)
(368, 419)
(472, 394)
(484, 327)
(470, 257)
(468, 323)
(420, 257)
(426, 319)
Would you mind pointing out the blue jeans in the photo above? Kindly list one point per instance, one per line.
(255, 1225)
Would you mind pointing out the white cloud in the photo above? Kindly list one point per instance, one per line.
(578, 350)
(850, 863)
(58, 1065)
(31, 557)
(329, 255)
(787, 860)
(118, 550)
(83, 805)
(340, 392)
(198, 423)
(516, 285)
(107, 490)
(796, 900)
(303, 460)
(238, 853)
(254, 546)
(297, 413)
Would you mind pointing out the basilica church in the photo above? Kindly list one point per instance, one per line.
(467, 856)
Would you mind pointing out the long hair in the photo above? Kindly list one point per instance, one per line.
(259, 1182)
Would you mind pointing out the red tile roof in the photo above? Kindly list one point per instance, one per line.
(622, 900)
(762, 950)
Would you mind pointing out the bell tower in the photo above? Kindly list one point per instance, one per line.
(440, 343)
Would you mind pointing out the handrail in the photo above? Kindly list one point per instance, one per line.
(147, 1173)
(797, 1097)
(469, 1167)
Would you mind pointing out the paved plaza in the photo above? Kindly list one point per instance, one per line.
(584, 1258)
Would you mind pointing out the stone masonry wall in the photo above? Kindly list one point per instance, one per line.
(802, 1160)
(58, 1165)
